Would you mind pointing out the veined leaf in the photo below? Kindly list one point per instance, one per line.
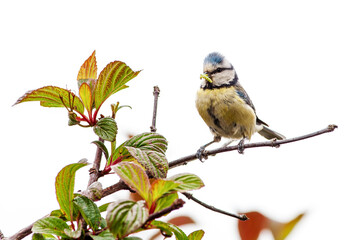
(168, 227)
(102, 147)
(64, 185)
(51, 225)
(160, 187)
(89, 211)
(125, 217)
(51, 96)
(88, 71)
(197, 235)
(105, 235)
(149, 150)
(165, 201)
(134, 175)
(111, 80)
(86, 96)
(106, 129)
(188, 182)
(39, 236)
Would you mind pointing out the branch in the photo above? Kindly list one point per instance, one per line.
(114, 188)
(156, 96)
(178, 203)
(271, 143)
(24, 232)
(94, 171)
(241, 217)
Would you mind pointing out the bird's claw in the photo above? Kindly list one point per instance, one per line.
(241, 146)
(200, 154)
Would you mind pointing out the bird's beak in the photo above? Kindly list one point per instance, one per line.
(206, 77)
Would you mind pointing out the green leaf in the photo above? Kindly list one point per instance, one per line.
(161, 186)
(89, 211)
(51, 96)
(102, 147)
(111, 80)
(149, 150)
(134, 175)
(73, 234)
(165, 201)
(132, 238)
(197, 235)
(105, 235)
(188, 182)
(51, 225)
(106, 129)
(86, 96)
(125, 217)
(64, 185)
(103, 207)
(168, 227)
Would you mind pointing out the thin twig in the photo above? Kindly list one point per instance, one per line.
(156, 96)
(94, 171)
(271, 143)
(178, 203)
(241, 217)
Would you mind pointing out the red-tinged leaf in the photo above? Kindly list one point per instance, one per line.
(251, 229)
(281, 230)
(161, 187)
(51, 96)
(197, 235)
(134, 175)
(64, 185)
(86, 97)
(88, 72)
(111, 80)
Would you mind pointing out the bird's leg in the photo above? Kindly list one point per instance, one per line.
(200, 152)
(241, 146)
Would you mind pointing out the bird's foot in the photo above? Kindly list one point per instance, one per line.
(200, 154)
(241, 146)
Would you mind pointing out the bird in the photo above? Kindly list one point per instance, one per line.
(225, 106)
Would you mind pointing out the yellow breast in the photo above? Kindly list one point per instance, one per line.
(226, 113)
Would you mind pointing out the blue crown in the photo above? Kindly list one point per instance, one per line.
(214, 58)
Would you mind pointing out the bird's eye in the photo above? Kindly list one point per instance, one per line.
(218, 70)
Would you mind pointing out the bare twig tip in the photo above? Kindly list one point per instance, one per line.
(332, 127)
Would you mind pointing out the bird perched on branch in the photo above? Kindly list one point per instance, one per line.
(225, 106)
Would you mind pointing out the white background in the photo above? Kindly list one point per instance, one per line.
(298, 60)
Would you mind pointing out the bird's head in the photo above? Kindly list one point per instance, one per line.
(218, 71)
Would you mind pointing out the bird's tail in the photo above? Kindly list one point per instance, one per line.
(270, 134)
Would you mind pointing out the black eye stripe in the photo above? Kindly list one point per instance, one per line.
(220, 70)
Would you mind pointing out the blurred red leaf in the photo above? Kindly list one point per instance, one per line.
(251, 229)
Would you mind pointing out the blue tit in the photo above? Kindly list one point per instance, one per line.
(225, 106)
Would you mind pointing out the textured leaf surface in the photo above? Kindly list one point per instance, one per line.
(125, 217)
(89, 211)
(188, 182)
(160, 187)
(251, 229)
(165, 201)
(179, 234)
(64, 185)
(86, 96)
(51, 96)
(111, 80)
(89, 69)
(134, 175)
(149, 150)
(106, 129)
(51, 225)
(197, 235)
(105, 235)
(102, 147)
